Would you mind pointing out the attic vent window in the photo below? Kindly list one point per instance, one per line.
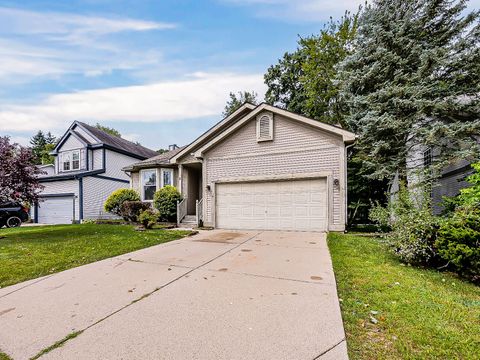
(265, 127)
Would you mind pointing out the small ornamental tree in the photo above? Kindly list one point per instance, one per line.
(165, 201)
(18, 173)
(117, 198)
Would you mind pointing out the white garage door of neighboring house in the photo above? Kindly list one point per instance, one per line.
(56, 210)
(275, 205)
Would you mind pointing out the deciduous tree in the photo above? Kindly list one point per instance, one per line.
(18, 173)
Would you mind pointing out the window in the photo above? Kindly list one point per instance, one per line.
(149, 184)
(70, 160)
(167, 177)
(427, 158)
(66, 161)
(75, 160)
(265, 127)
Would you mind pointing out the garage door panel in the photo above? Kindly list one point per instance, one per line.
(56, 210)
(279, 205)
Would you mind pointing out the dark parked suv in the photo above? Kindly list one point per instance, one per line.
(12, 214)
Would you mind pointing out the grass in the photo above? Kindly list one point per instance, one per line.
(4, 356)
(58, 344)
(30, 252)
(421, 313)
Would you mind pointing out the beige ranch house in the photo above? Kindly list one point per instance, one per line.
(260, 168)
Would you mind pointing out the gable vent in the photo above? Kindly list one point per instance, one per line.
(265, 127)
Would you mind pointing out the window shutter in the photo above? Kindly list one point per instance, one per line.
(265, 127)
(83, 159)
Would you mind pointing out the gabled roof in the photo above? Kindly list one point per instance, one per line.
(223, 124)
(102, 138)
(246, 113)
(158, 160)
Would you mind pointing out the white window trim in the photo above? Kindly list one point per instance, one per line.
(71, 160)
(142, 190)
(270, 125)
(162, 171)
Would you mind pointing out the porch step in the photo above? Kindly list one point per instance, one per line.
(189, 218)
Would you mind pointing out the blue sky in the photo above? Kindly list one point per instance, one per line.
(159, 71)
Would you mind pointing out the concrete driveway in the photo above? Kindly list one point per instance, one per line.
(216, 295)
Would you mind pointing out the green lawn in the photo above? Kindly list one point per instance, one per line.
(30, 252)
(421, 314)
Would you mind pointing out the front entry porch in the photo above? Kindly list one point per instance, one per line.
(190, 209)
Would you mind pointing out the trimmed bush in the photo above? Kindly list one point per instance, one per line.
(117, 198)
(131, 210)
(165, 201)
(459, 242)
(148, 218)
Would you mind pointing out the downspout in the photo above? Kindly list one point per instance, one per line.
(346, 183)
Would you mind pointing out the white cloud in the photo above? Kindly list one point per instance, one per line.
(199, 95)
(299, 10)
(68, 26)
(49, 44)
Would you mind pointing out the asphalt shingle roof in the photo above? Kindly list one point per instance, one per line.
(159, 159)
(118, 142)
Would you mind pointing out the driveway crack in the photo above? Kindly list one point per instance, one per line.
(318, 357)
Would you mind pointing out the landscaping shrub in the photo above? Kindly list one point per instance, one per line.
(413, 226)
(148, 218)
(131, 210)
(165, 201)
(458, 242)
(117, 198)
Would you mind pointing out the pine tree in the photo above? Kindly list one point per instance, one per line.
(414, 79)
(38, 142)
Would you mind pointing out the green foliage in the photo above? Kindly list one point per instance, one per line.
(108, 130)
(117, 198)
(237, 100)
(41, 145)
(413, 226)
(148, 218)
(131, 210)
(413, 78)
(305, 81)
(470, 196)
(88, 221)
(458, 242)
(165, 201)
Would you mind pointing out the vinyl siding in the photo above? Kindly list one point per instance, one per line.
(97, 159)
(71, 143)
(95, 192)
(295, 149)
(62, 187)
(115, 163)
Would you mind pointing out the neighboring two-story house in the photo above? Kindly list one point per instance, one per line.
(88, 167)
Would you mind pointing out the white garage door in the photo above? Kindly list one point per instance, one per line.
(280, 205)
(58, 210)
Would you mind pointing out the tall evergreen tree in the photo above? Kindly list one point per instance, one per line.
(414, 79)
(38, 142)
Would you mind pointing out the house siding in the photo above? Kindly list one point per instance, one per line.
(295, 150)
(115, 163)
(97, 159)
(71, 143)
(95, 192)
